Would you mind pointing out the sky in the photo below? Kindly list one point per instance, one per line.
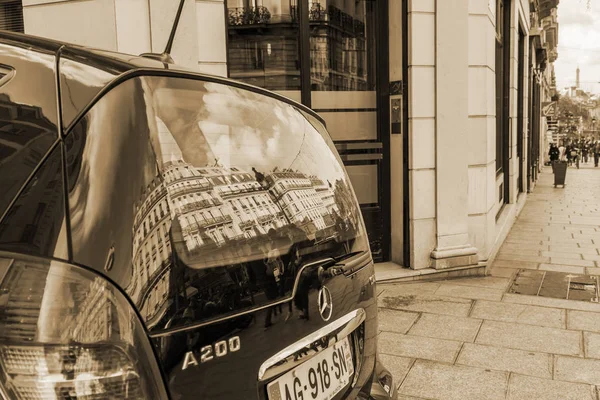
(578, 44)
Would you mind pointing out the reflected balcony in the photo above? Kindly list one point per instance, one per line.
(190, 189)
(243, 16)
(216, 221)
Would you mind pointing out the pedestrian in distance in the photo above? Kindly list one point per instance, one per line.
(575, 155)
(554, 153)
(562, 150)
(596, 153)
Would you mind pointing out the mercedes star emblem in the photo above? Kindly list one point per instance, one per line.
(325, 303)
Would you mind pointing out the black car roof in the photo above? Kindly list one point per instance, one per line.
(121, 63)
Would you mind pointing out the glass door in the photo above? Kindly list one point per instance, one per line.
(324, 53)
(343, 83)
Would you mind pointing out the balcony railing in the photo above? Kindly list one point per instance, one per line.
(333, 15)
(215, 221)
(241, 16)
(189, 189)
(246, 224)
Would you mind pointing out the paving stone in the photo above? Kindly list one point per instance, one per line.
(503, 359)
(518, 252)
(519, 313)
(573, 250)
(587, 245)
(430, 304)
(592, 271)
(560, 254)
(404, 289)
(523, 387)
(592, 257)
(575, 369)
(508, 246)
(418, 347)
(550, 302)
(398, 366)
(490, 282)
(530, 337)
(568, 261)
(591, 343)
(562, 268)
(396, 320)
(517, 257)
(446, 327)
(454, 382)
(504, 272)
(515, 264)
(512, 240)
(469, 292)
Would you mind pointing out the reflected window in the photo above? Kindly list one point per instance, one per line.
(263, 43)
(34, 223)
(342, 45)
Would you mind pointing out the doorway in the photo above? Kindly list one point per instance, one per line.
(333, 57)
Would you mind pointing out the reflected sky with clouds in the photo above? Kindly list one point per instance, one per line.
(243, 129)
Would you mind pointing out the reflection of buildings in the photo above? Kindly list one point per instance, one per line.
(338, 46)
(40, 308)
(263, 44)
(32, 223)
(151, 250)
(19, 309)
(25, 136)
(296, 193)
(99, 317)
(210, 214)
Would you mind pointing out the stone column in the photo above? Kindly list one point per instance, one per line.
(452, 87)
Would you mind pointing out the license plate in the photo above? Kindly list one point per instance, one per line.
(319, 378)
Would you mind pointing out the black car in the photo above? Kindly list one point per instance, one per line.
(168, 234)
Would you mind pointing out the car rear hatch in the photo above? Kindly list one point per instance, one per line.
(234, 230)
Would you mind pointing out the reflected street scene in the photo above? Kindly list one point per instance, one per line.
(244, 193)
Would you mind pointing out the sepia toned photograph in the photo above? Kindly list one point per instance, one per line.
(300, 199)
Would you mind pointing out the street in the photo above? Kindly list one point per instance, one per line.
(484, 338)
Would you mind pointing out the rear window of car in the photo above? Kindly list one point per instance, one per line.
(179, 187)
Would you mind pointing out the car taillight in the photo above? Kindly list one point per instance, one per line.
(67, 333)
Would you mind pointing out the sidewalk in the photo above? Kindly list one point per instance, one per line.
(482, 338)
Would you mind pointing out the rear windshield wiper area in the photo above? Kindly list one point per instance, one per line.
(347, 264)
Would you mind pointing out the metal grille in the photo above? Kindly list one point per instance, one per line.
(11, 16)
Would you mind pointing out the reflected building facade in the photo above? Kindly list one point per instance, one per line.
(214, 215)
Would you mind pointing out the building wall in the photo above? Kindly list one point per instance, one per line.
(483, 198)
(135, 27)
(421, 131)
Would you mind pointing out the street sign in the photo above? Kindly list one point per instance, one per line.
(549, 109)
